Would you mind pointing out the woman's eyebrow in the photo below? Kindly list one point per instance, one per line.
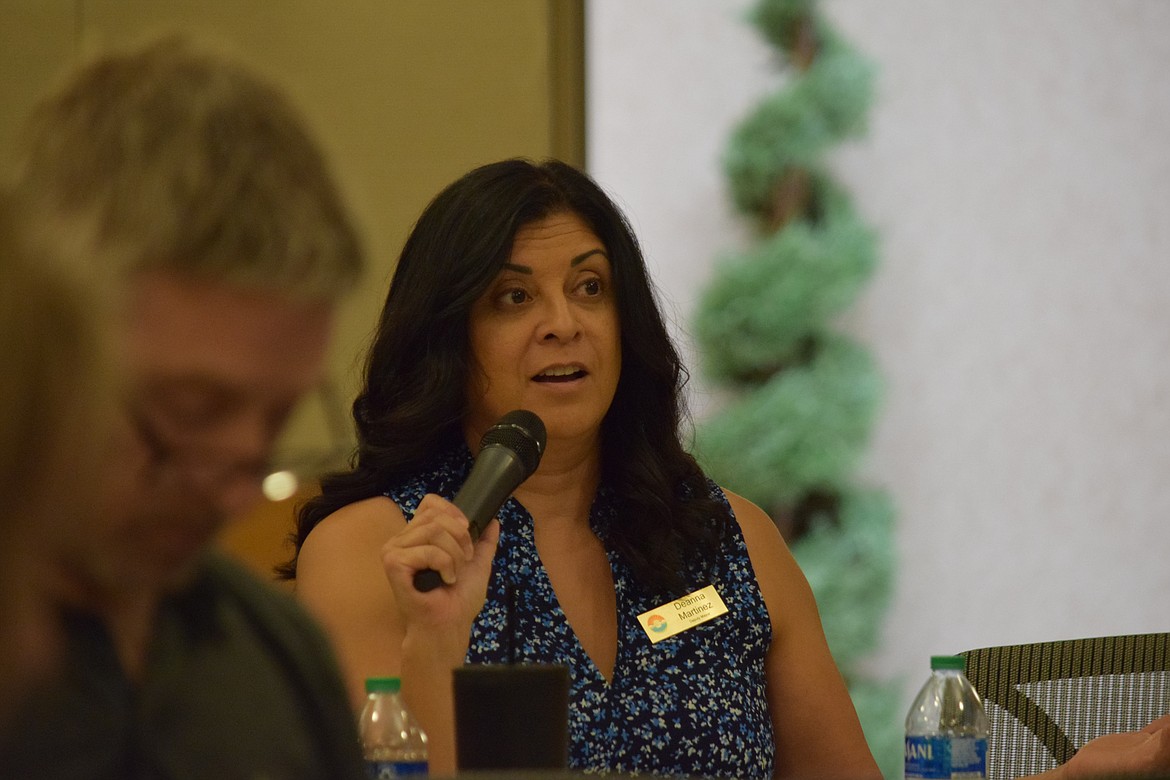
(525, 269)
(586, 255)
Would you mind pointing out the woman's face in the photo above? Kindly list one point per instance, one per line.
(544, 336)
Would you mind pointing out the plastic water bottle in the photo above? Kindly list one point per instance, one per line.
(946, 728)
(392, 742)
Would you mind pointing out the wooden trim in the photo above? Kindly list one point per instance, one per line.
(566, 19)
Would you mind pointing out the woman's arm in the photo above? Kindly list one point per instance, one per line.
(341, 582)
(815, 725)
(355, 574)
(438, 622)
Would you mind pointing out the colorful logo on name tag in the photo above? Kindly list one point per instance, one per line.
(686, 612)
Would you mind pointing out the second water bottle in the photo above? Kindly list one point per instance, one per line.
(946, 728)
(392, 742)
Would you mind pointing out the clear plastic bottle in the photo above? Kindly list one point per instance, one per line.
(946, 728)
(393, 744)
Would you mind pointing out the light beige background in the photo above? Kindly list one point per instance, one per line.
(1018, 170)
(404, 95)
(1016, 167)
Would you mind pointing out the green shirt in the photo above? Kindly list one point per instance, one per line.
(240, 683)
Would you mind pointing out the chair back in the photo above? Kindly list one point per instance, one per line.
(1046, 700)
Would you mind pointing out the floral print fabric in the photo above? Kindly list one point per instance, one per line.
(692, 705)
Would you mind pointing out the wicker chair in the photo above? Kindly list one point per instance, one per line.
(1045, 700)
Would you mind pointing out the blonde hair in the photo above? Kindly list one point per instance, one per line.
(170, 158)
(56, 400)
(56, 386)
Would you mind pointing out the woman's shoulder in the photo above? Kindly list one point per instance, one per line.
(759, 534)
(370, 521)
(754, 523)
(339, 568)
(765, 544)
(781, 581)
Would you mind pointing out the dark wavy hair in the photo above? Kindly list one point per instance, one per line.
(413, 401)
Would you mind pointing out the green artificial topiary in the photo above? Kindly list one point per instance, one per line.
(851, 561)
(794, 127)
(762, 305)
(802, 429)
(803, 397)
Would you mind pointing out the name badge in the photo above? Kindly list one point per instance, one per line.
(677, 616)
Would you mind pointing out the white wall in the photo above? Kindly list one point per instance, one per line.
(1018, 169)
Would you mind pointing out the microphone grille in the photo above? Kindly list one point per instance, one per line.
(523, 433)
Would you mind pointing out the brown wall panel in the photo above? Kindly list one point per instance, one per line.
(404, 95)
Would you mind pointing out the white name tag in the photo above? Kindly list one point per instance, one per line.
(687, 612)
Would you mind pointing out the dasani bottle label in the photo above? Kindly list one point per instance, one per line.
(390, 770)
(946, 758)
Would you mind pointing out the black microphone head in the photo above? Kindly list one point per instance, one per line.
(523, 433)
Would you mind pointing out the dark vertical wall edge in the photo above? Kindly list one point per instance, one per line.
(567, 79)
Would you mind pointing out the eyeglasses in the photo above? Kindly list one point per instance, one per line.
(189, 464)
(196, 465)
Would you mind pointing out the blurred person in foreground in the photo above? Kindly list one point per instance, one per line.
(54, 408)
(197, 191)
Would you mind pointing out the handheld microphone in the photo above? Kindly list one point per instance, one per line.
(508, 454)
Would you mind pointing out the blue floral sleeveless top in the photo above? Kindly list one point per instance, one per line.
(693, 704)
